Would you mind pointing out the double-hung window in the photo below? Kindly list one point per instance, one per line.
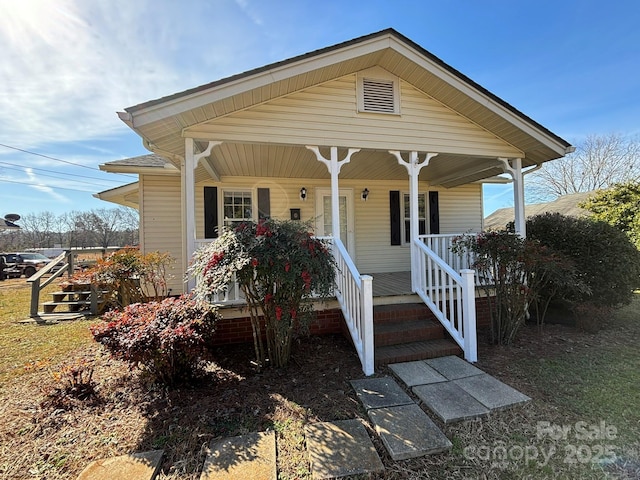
(422, 216)
(237, 206)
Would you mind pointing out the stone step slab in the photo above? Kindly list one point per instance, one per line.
(416, 373)
(449, 402)
(491, 392)
(453, 367)
(407, 432)
(341, 448)
(251, 456)
(380, 392)
(134, 466)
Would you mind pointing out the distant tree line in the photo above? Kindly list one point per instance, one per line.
(101, 227)
(599, 162)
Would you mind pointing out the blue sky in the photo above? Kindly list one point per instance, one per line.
(68, 66)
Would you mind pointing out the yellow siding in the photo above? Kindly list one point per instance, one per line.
(460, 211)
(327, 115)
(162, 225)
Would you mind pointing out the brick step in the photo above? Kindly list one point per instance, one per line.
(409, 352)
(407, 331)
(383, 314)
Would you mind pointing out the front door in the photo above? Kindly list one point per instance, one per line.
(323, 216)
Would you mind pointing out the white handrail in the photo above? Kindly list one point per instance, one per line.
(354, 292)
(450, 296)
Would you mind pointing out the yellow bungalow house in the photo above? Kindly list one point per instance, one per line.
(374, 138)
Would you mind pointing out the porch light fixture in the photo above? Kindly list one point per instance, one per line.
(365, 194)
(303, 193)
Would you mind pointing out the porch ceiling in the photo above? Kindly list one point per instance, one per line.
(286, 161)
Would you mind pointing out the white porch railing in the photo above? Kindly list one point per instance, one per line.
(354, 292)
(441, 246)
(449, 295)
(233, 295)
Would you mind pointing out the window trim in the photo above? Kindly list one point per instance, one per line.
(403, 219)
(224, 191)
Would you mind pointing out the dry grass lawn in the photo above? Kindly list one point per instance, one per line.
(578, 382)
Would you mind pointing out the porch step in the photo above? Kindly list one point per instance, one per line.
(72, 305)
(76, 301)
(384, 314)
(420, 350)
(400, 332)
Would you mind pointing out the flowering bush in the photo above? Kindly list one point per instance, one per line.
(167, 338)
(279, 267)
(128, 276)
(517, 273)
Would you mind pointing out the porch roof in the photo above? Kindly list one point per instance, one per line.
(127, 195)
(162, 122)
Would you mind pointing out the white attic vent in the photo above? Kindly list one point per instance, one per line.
(378, 96)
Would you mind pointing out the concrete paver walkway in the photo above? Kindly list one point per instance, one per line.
(247, 456)
(451, 388)
(449, 402)
(407, 432)
(341, 448)
(466, 393)
(134, 466)
(380, 392)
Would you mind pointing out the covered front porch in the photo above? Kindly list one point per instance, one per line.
(376, 142)
(427, 269)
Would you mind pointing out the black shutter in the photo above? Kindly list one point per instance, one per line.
(210, 212)
(434, 214)
(394, 214)
(264, 203)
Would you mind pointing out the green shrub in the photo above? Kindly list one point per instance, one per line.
(168, 338)
(517, 273)
(606, 261)
(619, 206)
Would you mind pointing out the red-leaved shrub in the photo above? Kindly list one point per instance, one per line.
(167, 338)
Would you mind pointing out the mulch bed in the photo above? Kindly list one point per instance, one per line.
(56, 437)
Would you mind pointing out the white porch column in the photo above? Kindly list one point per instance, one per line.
(191, 160)
(514, 168)
(413, 167)
(334, 165)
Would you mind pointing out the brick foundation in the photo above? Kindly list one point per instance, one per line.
(238, 330)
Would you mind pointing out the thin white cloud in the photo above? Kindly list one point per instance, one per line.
(41, 187)
(250, 12)
(69, 66)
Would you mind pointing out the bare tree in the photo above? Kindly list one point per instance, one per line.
(104, 223)
(39, 229)
(130, 225)
(598, 162)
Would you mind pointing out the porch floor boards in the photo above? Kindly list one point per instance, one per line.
(391, 284)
